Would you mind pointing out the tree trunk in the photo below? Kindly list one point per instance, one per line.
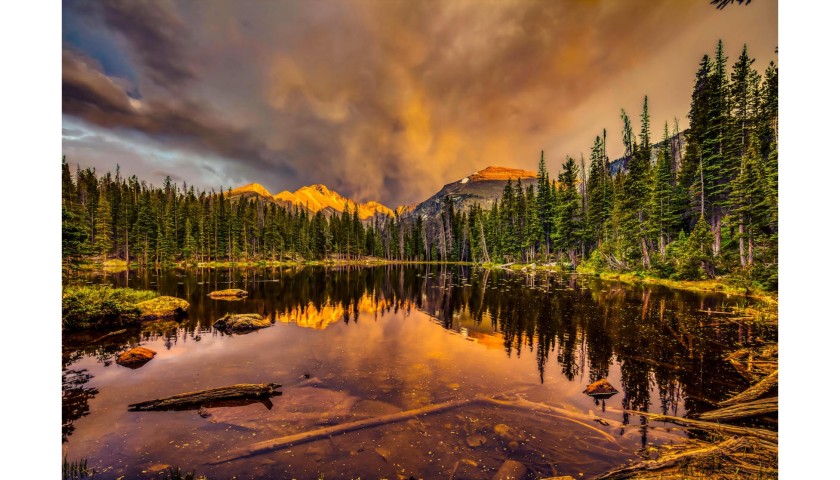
(741, 241)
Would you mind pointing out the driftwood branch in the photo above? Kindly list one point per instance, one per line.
(203, 397)
(756, 408)
(755, 391)
(743, 455)
(713, 426)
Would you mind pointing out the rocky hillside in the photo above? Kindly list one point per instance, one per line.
(481, 187)
(676, 143)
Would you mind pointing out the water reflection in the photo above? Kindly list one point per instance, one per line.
(654, 341)
(75, 398)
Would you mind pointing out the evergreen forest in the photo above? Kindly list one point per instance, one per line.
(692, 204)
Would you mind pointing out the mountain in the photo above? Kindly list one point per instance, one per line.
(481, 187)
(318, 197)
(250, 191)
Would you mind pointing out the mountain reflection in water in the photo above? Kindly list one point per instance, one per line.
(558, 333)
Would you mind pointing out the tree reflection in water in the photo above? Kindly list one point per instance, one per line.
(657, 336)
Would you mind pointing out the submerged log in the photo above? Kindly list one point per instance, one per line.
(326, 432)
(755, 408)
(755, 391)
(204, 397)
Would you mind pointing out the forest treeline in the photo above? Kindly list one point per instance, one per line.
(712, 210)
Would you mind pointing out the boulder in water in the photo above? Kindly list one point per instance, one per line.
(229, 294)
(241, 322)
(162, 307)
(136, 357)
(600, 389)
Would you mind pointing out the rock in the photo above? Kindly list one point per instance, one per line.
(242, 322)
(229, 294)
(600, 389)
(476, 440)
(505, 433)
(511, 470)
(136, 357)
(564, 477)
(384, 453)
(204, 413)
(162, 307)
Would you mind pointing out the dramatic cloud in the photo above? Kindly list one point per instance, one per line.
(384, 100)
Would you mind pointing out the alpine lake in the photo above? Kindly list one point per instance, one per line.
(490, 366)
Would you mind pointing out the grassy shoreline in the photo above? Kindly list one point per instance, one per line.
(718, 285)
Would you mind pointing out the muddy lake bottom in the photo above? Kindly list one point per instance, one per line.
(353, 344)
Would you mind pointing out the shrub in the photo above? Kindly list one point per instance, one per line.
(100, 306)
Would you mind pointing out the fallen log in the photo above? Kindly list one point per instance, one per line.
(712, 426)
(755, 391)
(197, 399)
(755, 408)
(730, 458)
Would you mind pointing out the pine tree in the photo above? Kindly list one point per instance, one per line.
(104, 225)
(544, 199)
(662, 204)
(567, 220)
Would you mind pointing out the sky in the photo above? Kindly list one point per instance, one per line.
(379, 100)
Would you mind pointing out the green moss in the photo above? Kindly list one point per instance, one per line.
(720, 285)
(162, 307)
(101, 306)
(242, 322)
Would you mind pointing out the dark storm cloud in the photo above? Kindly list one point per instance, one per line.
(155, 33)
(89, 94)
(389, 100)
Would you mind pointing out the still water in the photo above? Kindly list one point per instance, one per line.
(350, 344)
